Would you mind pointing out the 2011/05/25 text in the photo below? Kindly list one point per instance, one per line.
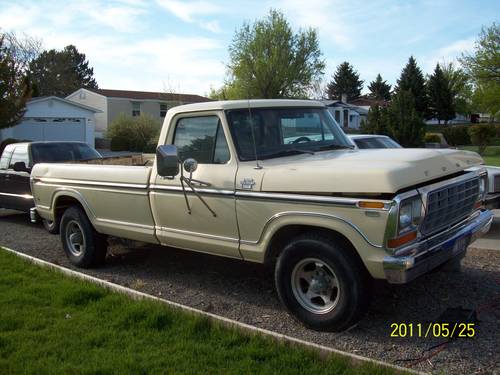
(429, 330)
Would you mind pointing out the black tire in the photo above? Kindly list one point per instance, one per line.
(76, 228)
(51, 226)
(352, 297)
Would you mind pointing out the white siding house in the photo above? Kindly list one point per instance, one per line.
(54, 119)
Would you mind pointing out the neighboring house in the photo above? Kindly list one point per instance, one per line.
(348, 116)
(54, 119)
(132, 103)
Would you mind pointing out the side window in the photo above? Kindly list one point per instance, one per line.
(201, 138)
(20, 154)
(136, 109)
(4, 160)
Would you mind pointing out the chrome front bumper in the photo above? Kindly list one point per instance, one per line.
(431, 252)
(34, 217)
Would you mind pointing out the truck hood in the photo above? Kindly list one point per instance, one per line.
(363, 171)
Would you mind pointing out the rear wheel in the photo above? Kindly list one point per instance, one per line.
(321, 283)
(83, 246)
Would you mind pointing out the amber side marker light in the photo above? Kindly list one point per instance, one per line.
(401, 240)
(367, 204)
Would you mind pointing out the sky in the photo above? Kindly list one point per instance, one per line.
(182, 46)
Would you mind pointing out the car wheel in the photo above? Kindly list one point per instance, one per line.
(51, 226)
(84, 247)
(321, 282)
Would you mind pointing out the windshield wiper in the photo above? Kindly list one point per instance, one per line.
(288, 152)
(335, 147)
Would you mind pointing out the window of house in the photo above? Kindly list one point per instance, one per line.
(20, 154)
(136, 108)
(163, 110)
(203, 139)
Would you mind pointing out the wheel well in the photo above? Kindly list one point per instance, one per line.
(285, 234)
(62, 203)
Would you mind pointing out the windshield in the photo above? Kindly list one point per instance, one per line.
(376, 142)
(62, 152)
(284, 131)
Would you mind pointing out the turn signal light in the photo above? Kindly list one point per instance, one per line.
(401, 240)
(369, 204)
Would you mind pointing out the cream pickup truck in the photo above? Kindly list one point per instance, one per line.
(277, 181)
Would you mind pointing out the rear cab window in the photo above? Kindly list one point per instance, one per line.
(6, 156)
(20, 154)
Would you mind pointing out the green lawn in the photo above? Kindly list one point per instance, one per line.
(50, 323)
(491, 156)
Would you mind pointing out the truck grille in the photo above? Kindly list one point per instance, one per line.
(449, 204)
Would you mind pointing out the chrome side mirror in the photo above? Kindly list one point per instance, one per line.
(167, 161)
(190, 165)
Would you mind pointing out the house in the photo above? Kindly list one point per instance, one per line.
(347, 115)
(113, 102)
(54, 119)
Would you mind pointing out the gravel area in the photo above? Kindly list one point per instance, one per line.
(245, 292)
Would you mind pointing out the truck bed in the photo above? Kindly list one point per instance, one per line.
(115, 197)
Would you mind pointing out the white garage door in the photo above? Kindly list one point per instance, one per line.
(51, 129)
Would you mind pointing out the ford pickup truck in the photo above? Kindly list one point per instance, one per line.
(278, 182)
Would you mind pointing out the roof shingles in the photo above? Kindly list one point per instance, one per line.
(146, 95)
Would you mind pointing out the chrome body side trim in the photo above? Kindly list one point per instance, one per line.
(24, 196)
(171, 188)
(63, 181)
(429, 253)
(310, 214)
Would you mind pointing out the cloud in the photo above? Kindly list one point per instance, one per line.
(193, 12)
(448, 53)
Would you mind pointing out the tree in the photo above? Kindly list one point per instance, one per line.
(484, 63)
(484, 67)
(61, 72)
(22, 49)
(377, 121)
(441, 96)
(269, 60)
(15, 89)
(379, 89)
(346, 81)
(481, 136)
(404, 123)
(412, 80)
(460, 86)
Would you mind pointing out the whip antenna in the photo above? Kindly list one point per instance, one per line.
(257, 166)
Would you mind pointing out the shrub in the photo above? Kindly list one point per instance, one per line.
(457, 135)
(432, 138)
(481, 136)
(133, 133)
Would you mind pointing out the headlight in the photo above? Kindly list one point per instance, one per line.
(483, 181)
(410, 214)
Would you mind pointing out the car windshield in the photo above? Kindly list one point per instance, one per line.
(62, 152)
(284, 131)
(376, 142)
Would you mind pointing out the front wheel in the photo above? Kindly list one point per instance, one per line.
(321, 283)
(83, 246)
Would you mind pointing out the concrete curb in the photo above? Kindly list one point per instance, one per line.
(323, 351)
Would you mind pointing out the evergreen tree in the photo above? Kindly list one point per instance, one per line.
(377, 121)
(441, 96)
(344, 81)
(412, 80)
(14, 88)
(379, 89)
(61, 72)
(404, 123)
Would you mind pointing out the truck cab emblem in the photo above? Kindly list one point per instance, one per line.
(247, 183)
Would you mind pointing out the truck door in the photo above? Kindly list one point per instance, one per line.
(212, 229)
(17, 187)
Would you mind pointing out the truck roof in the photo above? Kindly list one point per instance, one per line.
(243, 104)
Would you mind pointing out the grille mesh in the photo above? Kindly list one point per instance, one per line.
(449, 204)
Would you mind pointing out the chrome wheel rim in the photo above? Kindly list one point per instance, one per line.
(75, 238)
(315, 286)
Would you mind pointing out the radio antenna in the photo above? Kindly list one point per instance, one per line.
(257, 166)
